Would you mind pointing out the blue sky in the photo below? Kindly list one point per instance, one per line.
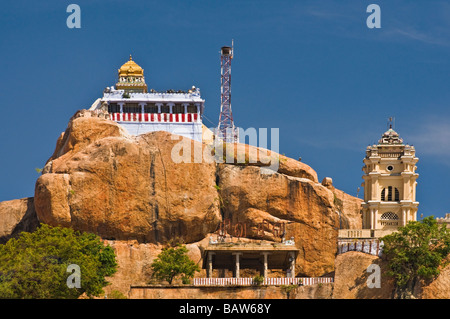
(311, 68)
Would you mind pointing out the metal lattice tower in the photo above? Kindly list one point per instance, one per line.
(226, 129)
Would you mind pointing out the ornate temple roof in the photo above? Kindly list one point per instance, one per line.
(131, 77)
(131, 68)
(390, 137)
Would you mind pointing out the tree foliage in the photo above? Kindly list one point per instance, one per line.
(172, 262)
(35, 264)
(416, 251)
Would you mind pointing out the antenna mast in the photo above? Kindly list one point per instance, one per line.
(226, 129)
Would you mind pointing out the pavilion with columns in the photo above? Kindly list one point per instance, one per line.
(250, 255)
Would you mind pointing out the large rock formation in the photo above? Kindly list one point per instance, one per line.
(123, 187)
(439, 288)
(306, 207)
(134, 194)
(352, 273)
(16, 216)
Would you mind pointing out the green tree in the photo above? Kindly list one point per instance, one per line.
(416, 251)
(34, 265)
(172, 262)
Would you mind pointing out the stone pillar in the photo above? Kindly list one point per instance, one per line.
(237, 264)
(265, 264)
(372, 218)
(159, 107)
(366, 219)
(403, 223)
(406, 188)
(198, 105)
(185, 107)
(375, 188)
(142, 105)
(375, 221)
(209, 270)
(121, 106)
(171, 107)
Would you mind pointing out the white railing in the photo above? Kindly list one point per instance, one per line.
(306, 281)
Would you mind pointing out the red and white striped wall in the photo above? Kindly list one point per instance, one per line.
(306, 281)
(156, 117)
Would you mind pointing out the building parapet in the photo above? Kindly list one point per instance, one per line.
(444, 220)
(345, 234)
(355, 233)
(111, 95)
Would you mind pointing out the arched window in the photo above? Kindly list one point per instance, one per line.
(390, 194)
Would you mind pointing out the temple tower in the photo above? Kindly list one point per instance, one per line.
(131, 78)
(389, 184)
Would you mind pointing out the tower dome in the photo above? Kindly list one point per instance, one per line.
(131, 77)
(130, 68)
(390, 137)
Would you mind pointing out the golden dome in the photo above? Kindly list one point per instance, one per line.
(131, 68)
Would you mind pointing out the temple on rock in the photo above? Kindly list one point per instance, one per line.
(131, 105)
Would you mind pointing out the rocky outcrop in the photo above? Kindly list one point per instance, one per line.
(16, 216)
(134, 263)
(131, 192)
(305, 207)
(248, 155)
(438, 288)
(121, 187)
(352, 274)
(348, 207)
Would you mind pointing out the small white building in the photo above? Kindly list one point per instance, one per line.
(131, 105)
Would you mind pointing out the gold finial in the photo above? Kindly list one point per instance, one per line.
(130, 58)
